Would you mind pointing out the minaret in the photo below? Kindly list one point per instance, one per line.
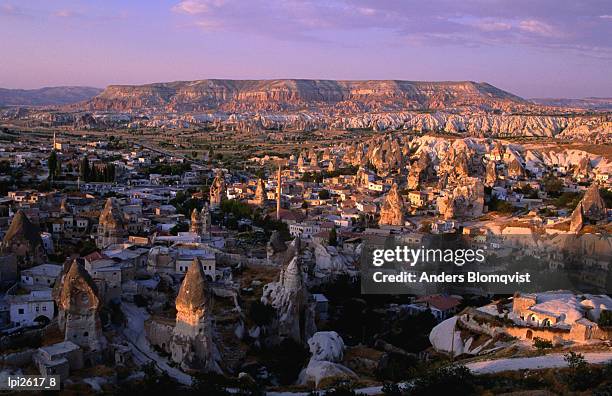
(278, 193)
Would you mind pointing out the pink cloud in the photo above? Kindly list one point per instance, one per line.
(492, 26)
(538, 27)
(64, 13)
(195, 7)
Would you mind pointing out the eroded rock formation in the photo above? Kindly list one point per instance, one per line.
(195, 225)
(22, 240)
(465, 200)
(217, 191)
(420, 171)
(491, 174)
(392, 211)
(79, 308)
(111, 225)
(260, 193)
(276, 248)
(193, 346)
(327, 348)
(590, 210)
(291, 300)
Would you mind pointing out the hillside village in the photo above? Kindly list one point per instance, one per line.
(116, 254)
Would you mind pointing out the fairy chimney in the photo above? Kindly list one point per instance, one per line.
(217, 190)
(195, 225)
(22, 239)
(111, 226)
(392, 211)
(193, 346)
(260, 193)
(291, 299)
(79, 308)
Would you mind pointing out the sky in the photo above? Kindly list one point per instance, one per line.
(532, 48)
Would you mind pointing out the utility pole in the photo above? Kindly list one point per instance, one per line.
(278, 192)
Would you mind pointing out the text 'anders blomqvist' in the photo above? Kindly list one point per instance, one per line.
(469, 277)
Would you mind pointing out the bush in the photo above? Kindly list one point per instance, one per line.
(439, 381)
(541, 343)
(240, 210)
(343, 389)
(210, 384)
(605, 319)
(580, 376)
(324, 194)
(501, 206)
(391, 389)
(261, 313)
(287, 360)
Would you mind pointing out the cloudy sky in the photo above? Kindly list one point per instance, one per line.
(534, 48)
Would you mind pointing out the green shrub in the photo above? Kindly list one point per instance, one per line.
(605, 319)
(442, 380)
(541, 343)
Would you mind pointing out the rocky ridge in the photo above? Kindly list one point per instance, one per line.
(298, 94)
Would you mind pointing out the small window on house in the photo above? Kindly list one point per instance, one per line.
(20, 311)
(44, 308)
(86, 334)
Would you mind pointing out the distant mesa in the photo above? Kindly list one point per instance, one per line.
(592, 103)
(48, 96)
(275, 95)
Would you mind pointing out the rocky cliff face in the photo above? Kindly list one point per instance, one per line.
(240, 95)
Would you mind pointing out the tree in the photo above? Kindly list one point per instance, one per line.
(438, 381)
(324, 194)
(179, 227)
(209, 384)
(261, 173)
(605, 318)
(261, 313)
(540, 343)
(52, 163)
(5, 167)
(289, 359)
(501, 206)
(607, 196)
(580, 376)
(84, 169)
(333, 237)
(552, 185)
